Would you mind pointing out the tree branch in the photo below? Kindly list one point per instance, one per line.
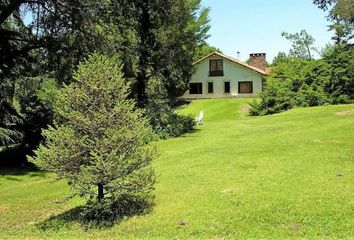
(6, 11)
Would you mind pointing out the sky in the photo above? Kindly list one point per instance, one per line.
(255, 26)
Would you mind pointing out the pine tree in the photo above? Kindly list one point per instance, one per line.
(100, 144)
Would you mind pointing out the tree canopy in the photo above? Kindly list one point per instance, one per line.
(302, 44)
(341, 13)
(47, 39)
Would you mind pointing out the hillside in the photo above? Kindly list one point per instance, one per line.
(281, 176)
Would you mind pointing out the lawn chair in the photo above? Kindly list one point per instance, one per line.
(234, 95)
(199, 119)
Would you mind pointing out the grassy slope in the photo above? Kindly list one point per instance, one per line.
(288, 175)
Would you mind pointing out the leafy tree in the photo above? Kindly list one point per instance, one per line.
(180, 46)
(53, 39)
(163, 37)
(100, 145)
(341, 13)
(204, 50)
(64, 29)
(156, 39)
(280, 58)
(302, 44)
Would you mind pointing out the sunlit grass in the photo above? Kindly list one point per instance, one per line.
(289, 175)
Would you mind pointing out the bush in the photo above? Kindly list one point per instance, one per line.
(164, 120)
(309, 97)
(295, 83)
(166, 123)
(342, 99)
(274, 99)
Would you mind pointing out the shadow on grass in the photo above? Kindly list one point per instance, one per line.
(15, 173)
(191, 133)
(89, 218)
(181, 103)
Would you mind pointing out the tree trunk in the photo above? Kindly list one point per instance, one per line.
(146, 42)
(141, 87)
(100, 195)
(309, 51)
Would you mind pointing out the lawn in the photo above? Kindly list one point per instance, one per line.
(289, 175)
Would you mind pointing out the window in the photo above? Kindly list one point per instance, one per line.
(245, 87)
(196, 88)
(216, 68)
(227, 87)
(210, 87)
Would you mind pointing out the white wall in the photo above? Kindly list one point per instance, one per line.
(233, 73)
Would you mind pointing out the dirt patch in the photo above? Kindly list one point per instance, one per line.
(292, 226)
(326, 141)
(3, 208)
(245, 109)
(345, 113)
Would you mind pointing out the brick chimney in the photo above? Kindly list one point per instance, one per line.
(258, 60)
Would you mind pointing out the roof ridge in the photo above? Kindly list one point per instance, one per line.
(231, 59)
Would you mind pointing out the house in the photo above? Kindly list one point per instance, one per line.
(220, 76)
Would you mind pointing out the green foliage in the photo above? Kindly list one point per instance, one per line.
(9, 136)
(22, 125)
(10, 124)
(101, 144)
(298, 166)
(274, 99)
(204, 50)
(341, 70)
(302, 44)
(160, 40)
(294, 83)
(164, 120)
(341, 14)
(156, 39)
(280, 58)
(37, 116)
(48, 92)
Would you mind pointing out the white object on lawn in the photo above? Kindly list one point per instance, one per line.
(199, 119)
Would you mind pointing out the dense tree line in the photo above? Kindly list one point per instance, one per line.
(44, 41)
(299, 80)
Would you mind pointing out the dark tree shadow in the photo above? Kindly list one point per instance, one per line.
(180, 103)
(13, 162)
(97, 218)
(14, 156)
(191, 133)
(15, 173)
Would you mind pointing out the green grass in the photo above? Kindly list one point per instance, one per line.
(289, 175)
